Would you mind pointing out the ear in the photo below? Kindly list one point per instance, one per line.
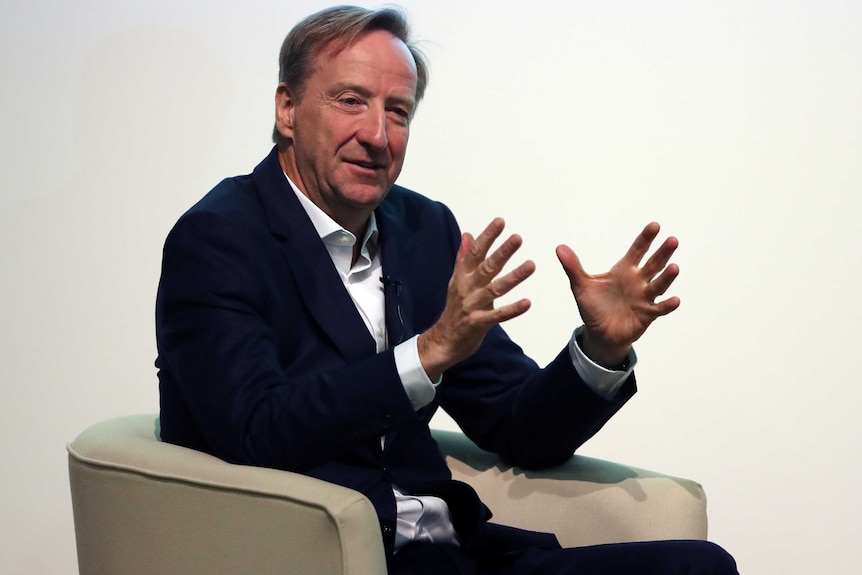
(285, 105)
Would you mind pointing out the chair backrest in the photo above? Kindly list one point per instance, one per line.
(584, 501)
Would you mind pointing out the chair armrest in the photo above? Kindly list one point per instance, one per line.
(584, 501)
(142, 507)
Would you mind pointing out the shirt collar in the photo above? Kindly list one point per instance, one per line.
(332, 234)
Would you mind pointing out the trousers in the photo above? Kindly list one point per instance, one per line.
(644, 558)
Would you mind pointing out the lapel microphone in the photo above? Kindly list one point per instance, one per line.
(387, 281)
(388, 284)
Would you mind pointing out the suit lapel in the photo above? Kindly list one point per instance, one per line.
(396, 249)
(317, 280)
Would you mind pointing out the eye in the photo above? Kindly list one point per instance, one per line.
(349, 101)
(401, 114)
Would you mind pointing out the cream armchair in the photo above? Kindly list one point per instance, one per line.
(144, 507)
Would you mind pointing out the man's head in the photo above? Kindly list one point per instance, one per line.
(333, 30)
(349, 85)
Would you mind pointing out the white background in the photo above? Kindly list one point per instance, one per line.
(735, 124)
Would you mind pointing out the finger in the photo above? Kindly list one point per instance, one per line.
(642, 244)
(659, 259)
(478, 249)
(489, 268)
(665, 307)
(661, 284)
(571, 265)
(466, 241)
(510, 311)
(510, 281)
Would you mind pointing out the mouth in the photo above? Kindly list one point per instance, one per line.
(366, 165)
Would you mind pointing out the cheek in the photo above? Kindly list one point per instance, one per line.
(328, 133)
(398, 143)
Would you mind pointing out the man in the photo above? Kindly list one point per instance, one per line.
(313, 315)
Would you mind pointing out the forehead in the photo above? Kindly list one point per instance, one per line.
(374, 57)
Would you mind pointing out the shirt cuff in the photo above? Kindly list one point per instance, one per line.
(418, 386)
(605, 382)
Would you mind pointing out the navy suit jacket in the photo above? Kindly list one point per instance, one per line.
(264, 359)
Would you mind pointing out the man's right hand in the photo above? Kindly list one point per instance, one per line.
(473, 288)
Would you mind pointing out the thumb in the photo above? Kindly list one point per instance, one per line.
(571, 265)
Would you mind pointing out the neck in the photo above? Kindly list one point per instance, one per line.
(353, 220)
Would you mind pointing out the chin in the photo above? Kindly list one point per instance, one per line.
(363, 195)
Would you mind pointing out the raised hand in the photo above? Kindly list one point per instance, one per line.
(618, 306)
(473, 288)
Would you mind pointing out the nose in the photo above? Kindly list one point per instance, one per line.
(372, 130)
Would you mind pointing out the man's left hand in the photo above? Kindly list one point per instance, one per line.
(618, 306)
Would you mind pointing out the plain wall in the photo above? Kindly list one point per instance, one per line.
(737, 125)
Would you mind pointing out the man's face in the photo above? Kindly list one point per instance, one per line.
(350, 127)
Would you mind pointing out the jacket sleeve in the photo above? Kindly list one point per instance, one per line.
(530, 417)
